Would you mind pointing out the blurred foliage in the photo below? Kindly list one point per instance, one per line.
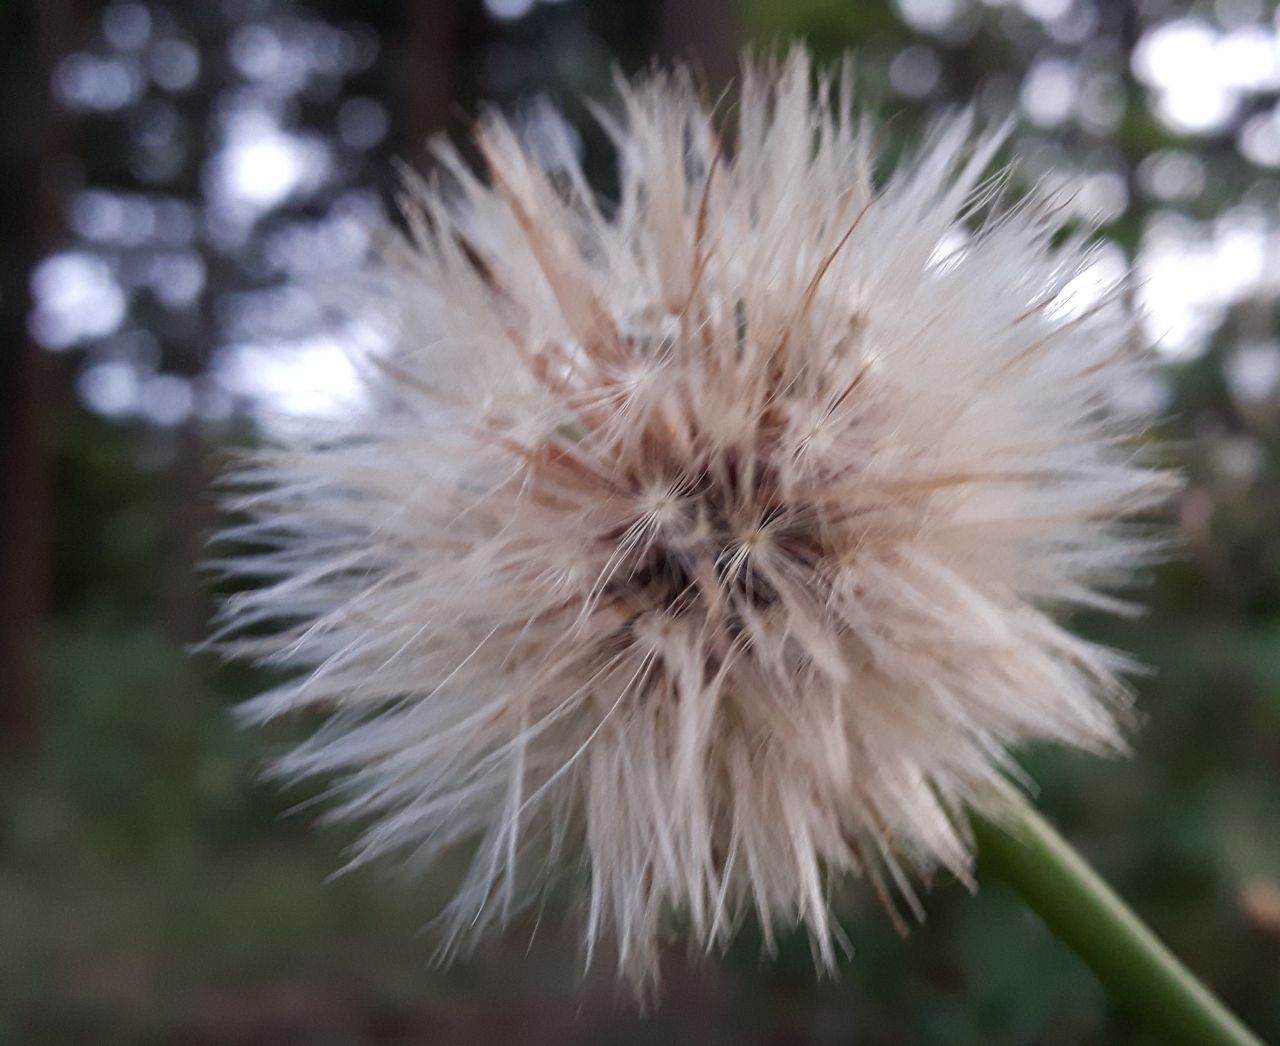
(155, 889)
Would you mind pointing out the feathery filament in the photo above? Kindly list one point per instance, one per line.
(713, 538)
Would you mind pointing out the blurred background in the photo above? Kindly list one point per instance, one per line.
(173, 171)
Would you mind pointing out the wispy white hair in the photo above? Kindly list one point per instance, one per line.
(704, 544)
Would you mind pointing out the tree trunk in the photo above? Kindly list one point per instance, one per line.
(33, 34)
(704, 33)
(438, 81)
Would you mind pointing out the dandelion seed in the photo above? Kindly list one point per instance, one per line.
(706, 543)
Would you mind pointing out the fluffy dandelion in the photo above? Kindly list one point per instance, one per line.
(703, 544)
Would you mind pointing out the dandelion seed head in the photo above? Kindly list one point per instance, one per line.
(706, 545)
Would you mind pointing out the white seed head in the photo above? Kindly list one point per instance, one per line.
(702, 545)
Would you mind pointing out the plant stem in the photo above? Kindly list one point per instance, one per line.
(1138, 971)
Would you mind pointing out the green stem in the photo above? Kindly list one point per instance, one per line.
(1087, 915)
